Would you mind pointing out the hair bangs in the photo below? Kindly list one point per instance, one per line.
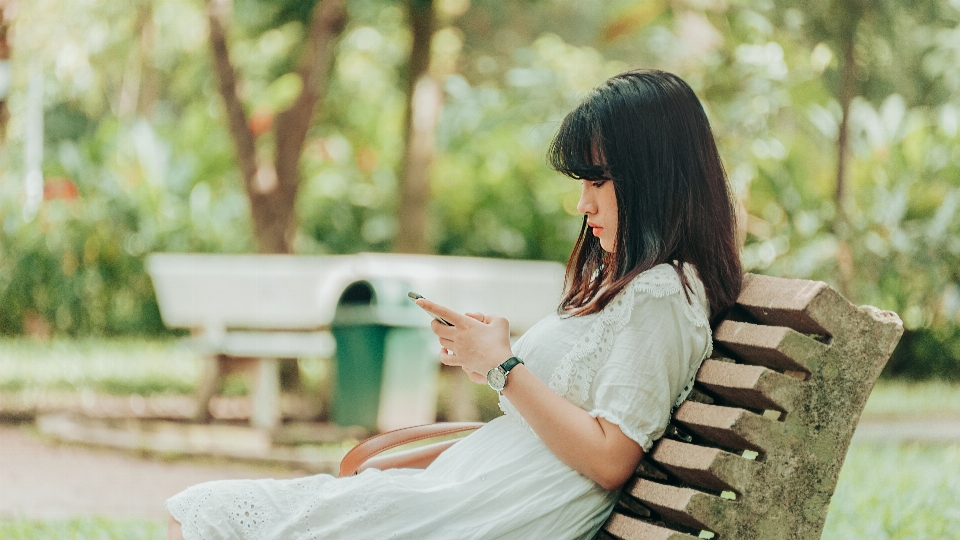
(575, 149)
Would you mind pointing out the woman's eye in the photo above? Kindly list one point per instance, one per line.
(598, 183)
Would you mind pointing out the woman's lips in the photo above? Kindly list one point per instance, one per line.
(596, 230)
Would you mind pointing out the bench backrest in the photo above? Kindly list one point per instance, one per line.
(264, 292)
(755, 453)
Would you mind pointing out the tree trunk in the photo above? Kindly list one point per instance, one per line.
(137, 92)
(423, 107)
(243, 139)
(848, 89)
(272, 188)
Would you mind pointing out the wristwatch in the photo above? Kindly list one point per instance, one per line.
(497, 376)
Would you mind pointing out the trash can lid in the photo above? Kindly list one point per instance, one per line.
(380, 302)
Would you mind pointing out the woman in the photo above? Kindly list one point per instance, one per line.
(588, 389)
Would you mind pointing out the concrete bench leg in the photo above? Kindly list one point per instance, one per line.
(265, 401)
(209, 382)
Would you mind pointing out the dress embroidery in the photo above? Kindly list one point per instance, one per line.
(576, 370)
(247, 511)
(190, 506)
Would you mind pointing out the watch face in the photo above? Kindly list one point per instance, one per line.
(496, 378)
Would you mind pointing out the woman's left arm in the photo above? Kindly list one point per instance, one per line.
(595, 447)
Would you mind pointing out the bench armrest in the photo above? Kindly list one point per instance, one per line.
(360, 457)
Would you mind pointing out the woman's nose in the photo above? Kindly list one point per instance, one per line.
(586, 205)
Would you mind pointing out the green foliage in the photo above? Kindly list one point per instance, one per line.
(927, 353)
(78, 265)
(492, 192)
(163, 178)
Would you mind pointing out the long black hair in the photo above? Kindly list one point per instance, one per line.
(647, 132)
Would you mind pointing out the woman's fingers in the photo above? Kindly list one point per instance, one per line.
(447, 358)
(475, 342)
(443, 311)
(442, 330)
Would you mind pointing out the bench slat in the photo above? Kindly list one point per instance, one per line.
(729, 427)
(709, 468)
(806, 306)
(755, 387)
(778, 348)
(628, 528)
(680, 505)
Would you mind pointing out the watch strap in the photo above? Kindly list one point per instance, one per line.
(510, 363)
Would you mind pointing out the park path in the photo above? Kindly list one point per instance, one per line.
(43, 480)
(40, 480)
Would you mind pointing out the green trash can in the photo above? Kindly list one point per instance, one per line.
(386, 358)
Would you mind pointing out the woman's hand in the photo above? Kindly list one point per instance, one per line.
(476, 342)
(593, 446)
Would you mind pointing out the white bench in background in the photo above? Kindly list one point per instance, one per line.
(268, 307)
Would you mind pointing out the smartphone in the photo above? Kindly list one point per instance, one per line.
(414, 296)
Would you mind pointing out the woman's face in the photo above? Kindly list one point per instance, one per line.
(598, 201)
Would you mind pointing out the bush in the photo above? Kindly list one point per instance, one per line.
(76, 267)
(927, 353)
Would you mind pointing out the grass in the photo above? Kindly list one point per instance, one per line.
(892, 399)
(83, 529)
(114, 366)
(897, 492)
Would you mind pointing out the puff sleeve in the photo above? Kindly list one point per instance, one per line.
(652, 362)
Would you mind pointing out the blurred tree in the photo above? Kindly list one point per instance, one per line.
(137, 177)
(139, 85)
(877, 54)
(422, 112)
(272, 187)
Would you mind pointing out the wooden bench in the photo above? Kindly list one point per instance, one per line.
(756, 451)
(248, 311)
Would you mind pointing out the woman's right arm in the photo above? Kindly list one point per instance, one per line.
(595, 447)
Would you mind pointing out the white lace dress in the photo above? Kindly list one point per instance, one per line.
(628, 364)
